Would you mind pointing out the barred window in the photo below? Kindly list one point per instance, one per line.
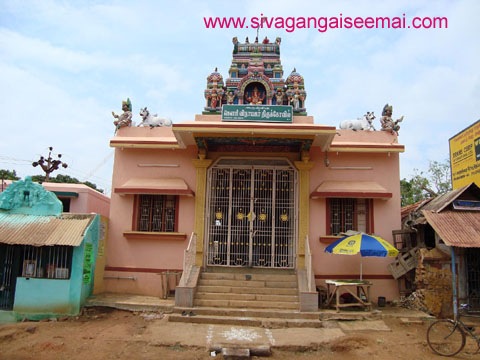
(51, 262)
(157, 213)
(349, 214)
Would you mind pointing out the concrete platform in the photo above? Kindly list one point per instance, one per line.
(374, 325)
(399, 312)
(271, 323)
(218, 337)
(154, 304)
(131, 302)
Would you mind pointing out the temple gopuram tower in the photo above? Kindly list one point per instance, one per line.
(255, 78)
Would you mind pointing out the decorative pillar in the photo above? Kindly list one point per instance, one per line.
(304, 168)
(201, 165)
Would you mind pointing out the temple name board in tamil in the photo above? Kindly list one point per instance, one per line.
(264, 113)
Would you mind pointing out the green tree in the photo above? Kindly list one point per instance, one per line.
(8, 175)
(38, 178)
(414, 190)
(440, 176)
(421, 186)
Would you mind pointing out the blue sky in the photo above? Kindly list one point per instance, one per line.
(64, 66)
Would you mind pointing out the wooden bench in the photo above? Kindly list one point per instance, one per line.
(359, 289)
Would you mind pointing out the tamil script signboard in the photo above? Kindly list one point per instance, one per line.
(87, 263)
(465, 156)
(261, 113)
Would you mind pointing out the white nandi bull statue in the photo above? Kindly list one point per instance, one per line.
(153, 120)
(365, 123)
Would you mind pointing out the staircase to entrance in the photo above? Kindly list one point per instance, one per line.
(247, 296)
(248, 289)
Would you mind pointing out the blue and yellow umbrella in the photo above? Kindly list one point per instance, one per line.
(366, 245)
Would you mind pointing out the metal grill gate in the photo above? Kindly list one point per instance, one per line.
(472, 256)
(251, 216)
(9, 264)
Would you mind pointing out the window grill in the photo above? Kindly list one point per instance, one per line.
(342, 215)
(52, 262)
(157, 213)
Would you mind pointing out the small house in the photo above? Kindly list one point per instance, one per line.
(47, 258)
(434, 231)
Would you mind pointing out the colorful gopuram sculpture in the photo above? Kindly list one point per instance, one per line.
(124, 119)
(214, 92)
(255, 78)
(296, 93)
(388, 124)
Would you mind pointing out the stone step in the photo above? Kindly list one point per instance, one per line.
(249, 304)
(258, 297)
(249, 270)
(248, 277)
(247, 321)
(247, 283)
(235, 353)
(332, 315)
(244, 283)
(246, 290)
(251, 313)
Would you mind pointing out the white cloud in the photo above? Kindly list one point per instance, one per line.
(38, 114)
(65, 66)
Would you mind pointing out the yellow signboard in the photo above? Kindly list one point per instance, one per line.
(465, 156)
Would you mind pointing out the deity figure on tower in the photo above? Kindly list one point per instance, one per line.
(256, 97)
(279, 97)
(230, 97)
(388, 124)
(124, 119)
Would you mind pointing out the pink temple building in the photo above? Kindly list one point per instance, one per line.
(253, 185)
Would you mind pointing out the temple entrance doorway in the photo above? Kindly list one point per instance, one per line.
(251, 213)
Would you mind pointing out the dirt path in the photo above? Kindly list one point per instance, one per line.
(102, 333)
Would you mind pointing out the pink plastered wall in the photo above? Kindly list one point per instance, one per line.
(88, 200)
(384, 171)
(147, 257)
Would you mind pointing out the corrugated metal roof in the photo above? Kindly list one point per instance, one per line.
(456, 228)
(19, 229)
(407, 209)
(439, 203)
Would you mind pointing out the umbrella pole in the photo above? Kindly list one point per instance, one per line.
(361, 262)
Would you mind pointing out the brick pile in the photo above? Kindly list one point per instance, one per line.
(433, 283)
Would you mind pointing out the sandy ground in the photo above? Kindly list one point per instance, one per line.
(102, 333)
